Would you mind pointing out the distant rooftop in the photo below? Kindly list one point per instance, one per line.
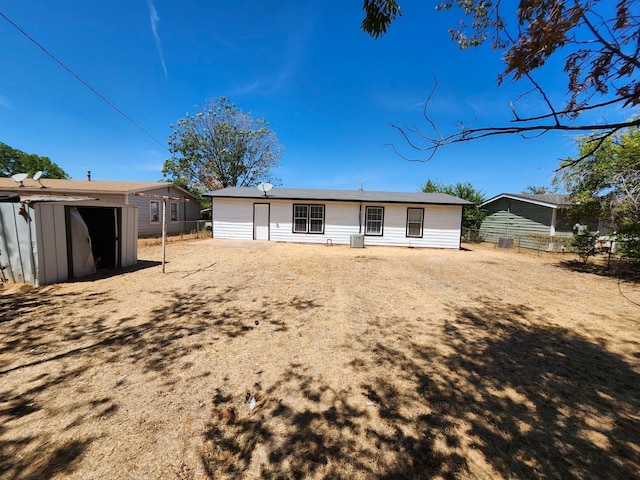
(32, 186)
(552, 200)
(309, 194)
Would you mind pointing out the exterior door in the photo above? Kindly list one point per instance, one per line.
(261, 221)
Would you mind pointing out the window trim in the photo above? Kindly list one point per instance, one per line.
(158, 211)
(308, 218)
(177, 219)
(366, 221)
(413, 222)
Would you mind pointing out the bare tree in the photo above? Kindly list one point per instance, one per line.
(600, 40)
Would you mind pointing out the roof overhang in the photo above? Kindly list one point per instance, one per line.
(519, 198)
(318, 195)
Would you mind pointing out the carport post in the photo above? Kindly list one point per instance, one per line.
(164, 218)
(164, 230)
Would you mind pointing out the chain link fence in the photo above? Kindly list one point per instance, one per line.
(193, 228)
(560, 243)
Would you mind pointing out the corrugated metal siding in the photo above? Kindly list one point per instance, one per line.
(129, 237)
(17, 255)
(233, 218)
(518, 220)
(50, 225)
(35, 251)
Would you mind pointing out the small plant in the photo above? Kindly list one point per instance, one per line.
(629, 247)
(584, 243)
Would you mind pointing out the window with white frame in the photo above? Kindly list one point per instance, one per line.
(374, 219)
(154, 211)
(173, 211)
(415, 221)
(308, 219)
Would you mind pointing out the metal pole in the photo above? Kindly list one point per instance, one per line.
(164, 230)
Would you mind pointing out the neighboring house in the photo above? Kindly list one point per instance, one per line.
(537, 221)
(182, 210)
(47, 239)
(338, 217)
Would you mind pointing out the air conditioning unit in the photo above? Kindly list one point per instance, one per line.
(357, 240)
(505, 242)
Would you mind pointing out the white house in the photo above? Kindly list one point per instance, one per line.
(338, 216)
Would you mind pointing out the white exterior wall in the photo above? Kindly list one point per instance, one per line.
(233, 218)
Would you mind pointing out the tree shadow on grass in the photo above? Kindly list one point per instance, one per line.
(620, 269)
(34, 334)
(506, 394)
(537, 400)
(41, 463)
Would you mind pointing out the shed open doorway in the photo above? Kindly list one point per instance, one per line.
(103, 226)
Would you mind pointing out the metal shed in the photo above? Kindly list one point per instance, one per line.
(49, 239)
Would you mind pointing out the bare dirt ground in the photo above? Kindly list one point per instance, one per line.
(375, 363)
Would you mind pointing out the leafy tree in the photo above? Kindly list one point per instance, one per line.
(606, 183)
(472, 217)
(584, 243)
(378, 16)
(598, 39)
(220, 146)
(14, 161)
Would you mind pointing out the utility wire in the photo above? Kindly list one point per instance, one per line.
(86, 84)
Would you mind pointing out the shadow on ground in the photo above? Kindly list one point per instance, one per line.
(623, 270)
(503, 393)
(47, 355)
(112, 272)
(506, 395)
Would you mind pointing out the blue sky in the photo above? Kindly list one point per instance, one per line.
(328, 90)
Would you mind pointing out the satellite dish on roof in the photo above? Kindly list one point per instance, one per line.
(19, 178)
(37, 176)
(264, 187)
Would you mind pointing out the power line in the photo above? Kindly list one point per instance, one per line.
(86, 84)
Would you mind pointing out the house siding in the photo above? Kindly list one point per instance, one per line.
(188, 212)
(518, 220)
(233, 218)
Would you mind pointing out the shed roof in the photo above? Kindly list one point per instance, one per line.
(74, 200)
(550, 200)
(338, 195)
(82, 186)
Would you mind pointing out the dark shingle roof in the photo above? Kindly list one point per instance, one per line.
(338, 195)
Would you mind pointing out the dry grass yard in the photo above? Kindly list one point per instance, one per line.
(375, 363)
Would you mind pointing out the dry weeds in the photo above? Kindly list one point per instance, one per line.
(376, 363)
